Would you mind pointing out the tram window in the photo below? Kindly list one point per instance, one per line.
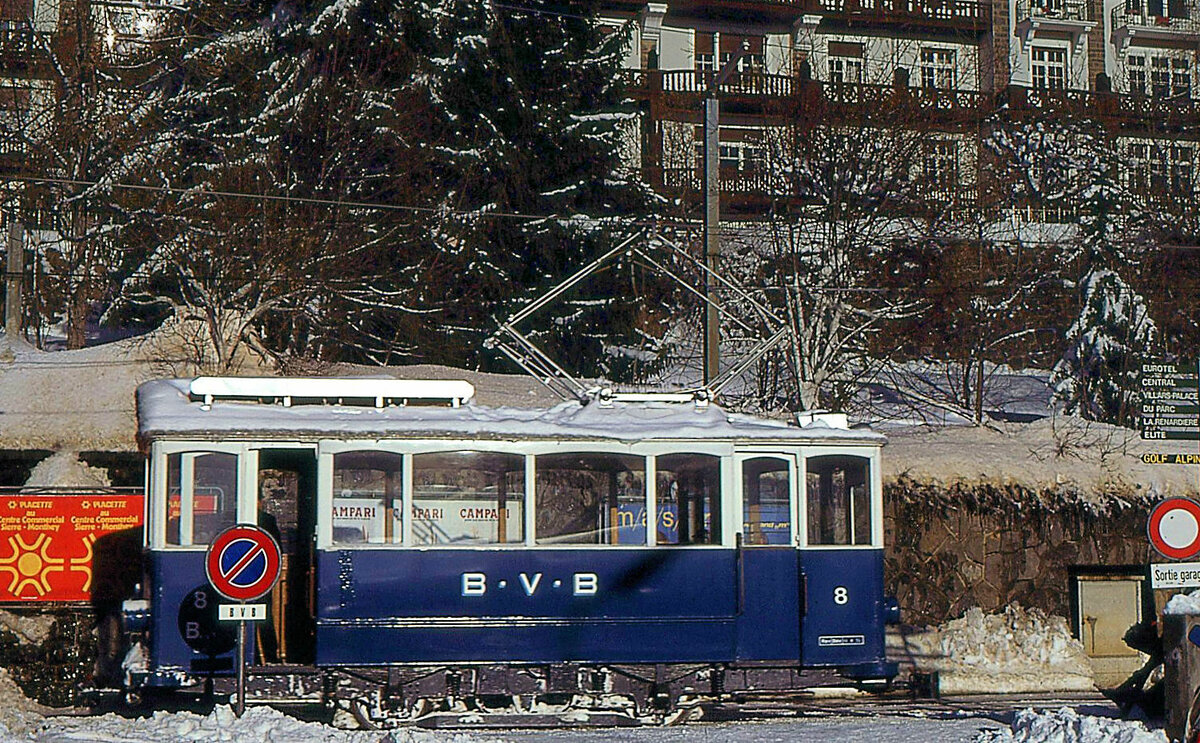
(839, 500)
(591, 498)
(366, 497)
(468, 497)
(204, 486)
(689, 499)
(766, 509)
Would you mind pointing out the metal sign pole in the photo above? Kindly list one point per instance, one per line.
(240, 706)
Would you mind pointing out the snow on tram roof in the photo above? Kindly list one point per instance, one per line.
(169, 408)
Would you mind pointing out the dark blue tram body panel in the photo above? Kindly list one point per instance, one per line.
(653, 605)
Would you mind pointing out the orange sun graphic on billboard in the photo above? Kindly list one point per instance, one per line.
(30, 565)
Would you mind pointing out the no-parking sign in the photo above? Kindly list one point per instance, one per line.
(1174, 528)
(242, 562)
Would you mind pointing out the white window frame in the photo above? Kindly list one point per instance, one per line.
(326, 448)
(1049, 63)
(247, 481)
(939, 68)
(795, 507)
(872, 455)
(837, 66)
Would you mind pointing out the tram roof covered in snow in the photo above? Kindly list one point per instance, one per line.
(176, 408)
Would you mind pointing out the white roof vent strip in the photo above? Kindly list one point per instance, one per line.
(286, 390)
(808, 418)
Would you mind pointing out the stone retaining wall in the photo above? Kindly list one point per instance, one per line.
(951, 547)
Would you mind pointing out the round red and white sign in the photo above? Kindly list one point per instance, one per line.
(1174, 528)
(242, 562)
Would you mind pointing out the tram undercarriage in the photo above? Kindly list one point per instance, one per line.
(534, 695)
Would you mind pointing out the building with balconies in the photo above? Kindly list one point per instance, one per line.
(950, 67)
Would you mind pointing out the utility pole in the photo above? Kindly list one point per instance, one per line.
(712, 215)
(14, 279)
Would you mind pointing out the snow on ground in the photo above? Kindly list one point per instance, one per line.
(1016, 651)
(257, 725)
(20, 717)
(1068, 726)
(63, 469)
(1089, 458)
(1183, 603)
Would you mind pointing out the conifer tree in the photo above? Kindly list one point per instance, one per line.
(1097, 375)
(456, 118)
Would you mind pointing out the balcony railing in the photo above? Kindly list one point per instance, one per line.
(960, 13)
(740, 83)
(1137, 15)
(20, 48)
(1126, 110)
(788, 96)
(1058, 10)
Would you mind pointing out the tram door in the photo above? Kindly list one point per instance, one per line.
(287, 495)
(769, 567)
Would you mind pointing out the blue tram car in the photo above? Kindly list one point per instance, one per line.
(444, 555)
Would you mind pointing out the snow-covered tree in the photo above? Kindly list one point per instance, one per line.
(1074, 166)
(825, 263)
(1113, 331)
(79, 126)
(397, 147)
(529, 117)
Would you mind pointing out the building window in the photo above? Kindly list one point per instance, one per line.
(705, 56)
(1181, 78)
(1180, 164)
(1135, 65)
(752, 60)
(845, 62)
(738, 150)
(937, 69)
(845, 70)
(1160, 171)
(1049, 68)
(1160, 77)
(941, 166)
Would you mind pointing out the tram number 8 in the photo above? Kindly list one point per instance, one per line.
(841, 596)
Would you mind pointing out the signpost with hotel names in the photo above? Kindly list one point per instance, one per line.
(1170, 401)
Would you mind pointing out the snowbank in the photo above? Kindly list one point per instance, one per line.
(1016, 651)
(1183, 603)
(63, 469)
(257, 725)
(1071, 455)
(1068, 726)
(19, 716)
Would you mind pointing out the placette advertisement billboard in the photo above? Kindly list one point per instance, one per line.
(47, 542)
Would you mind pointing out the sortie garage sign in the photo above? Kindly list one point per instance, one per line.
(1175, 575)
